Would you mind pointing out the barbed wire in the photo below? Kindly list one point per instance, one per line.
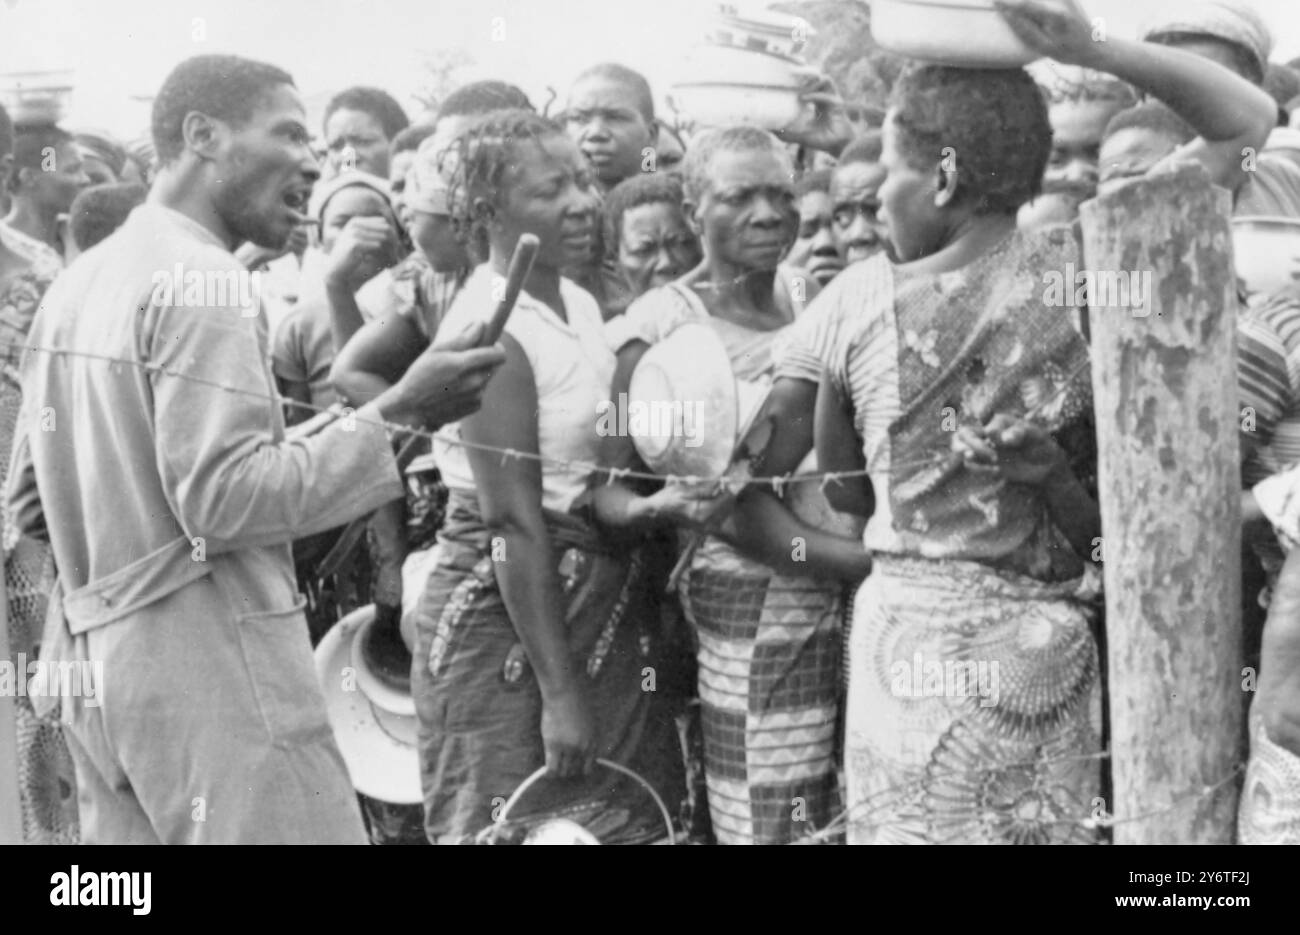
(776, 482)
(878, 802)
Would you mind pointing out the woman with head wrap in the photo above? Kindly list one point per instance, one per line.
(360, 235)
(102, 157)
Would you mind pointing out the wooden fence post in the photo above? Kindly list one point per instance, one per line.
(1166, 402)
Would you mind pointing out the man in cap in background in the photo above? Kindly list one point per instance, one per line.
(1232, 34)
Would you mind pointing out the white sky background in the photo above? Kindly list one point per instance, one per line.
(120, 48)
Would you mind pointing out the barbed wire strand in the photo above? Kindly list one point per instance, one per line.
(776, 482)
(840, 823)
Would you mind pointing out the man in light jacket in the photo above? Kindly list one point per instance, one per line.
(170, 494)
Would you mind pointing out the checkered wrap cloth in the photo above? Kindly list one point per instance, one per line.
(769, 683)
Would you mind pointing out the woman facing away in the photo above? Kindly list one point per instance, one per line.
(535, 634)
(973, 710)
(767, 625)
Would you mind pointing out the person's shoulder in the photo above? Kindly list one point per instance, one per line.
(855, 290)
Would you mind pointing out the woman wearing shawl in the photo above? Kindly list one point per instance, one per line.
(973, 711)
(767, 627)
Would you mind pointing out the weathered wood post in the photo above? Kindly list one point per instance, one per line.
(1166, 403)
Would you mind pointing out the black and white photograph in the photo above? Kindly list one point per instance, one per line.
(818, 422)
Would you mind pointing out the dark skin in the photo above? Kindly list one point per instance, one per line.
(250, 182)
(746, 221)
(42, 196)
(934, 231)
(360, 238)
(838, 452)
(547, 192)
(380, 351)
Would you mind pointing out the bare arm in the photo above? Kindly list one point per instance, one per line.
(1230, 114)
(839, 451)
(345, 314)
(766, 528)
(510, 495)
(375, 358)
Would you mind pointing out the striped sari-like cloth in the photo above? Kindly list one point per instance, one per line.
(769, 656)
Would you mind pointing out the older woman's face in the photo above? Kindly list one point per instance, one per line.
(655, 246)
(748, 216)
(907, 196)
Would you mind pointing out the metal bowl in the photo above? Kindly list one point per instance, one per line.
(1266, 251)
(36, 97)
(961, 33)
(723, 86)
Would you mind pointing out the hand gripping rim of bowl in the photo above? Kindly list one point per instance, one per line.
(524, 786)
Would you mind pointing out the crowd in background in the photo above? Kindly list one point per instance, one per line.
(858, 286)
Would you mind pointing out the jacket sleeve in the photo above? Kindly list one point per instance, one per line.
(227, 471)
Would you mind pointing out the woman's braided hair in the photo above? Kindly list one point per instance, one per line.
(479, 158)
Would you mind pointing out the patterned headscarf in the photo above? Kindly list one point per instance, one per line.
(428, 182)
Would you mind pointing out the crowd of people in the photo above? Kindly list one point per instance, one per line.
(198, 489)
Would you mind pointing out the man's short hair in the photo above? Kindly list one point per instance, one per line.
(481, 97)
(99, 210)
(864, 148)
(376, 102)
(634, 81)
(1154, 116)
(224, 87)
(409, 140)
(32, 143)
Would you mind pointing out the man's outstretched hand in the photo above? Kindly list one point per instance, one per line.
(445, 383)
